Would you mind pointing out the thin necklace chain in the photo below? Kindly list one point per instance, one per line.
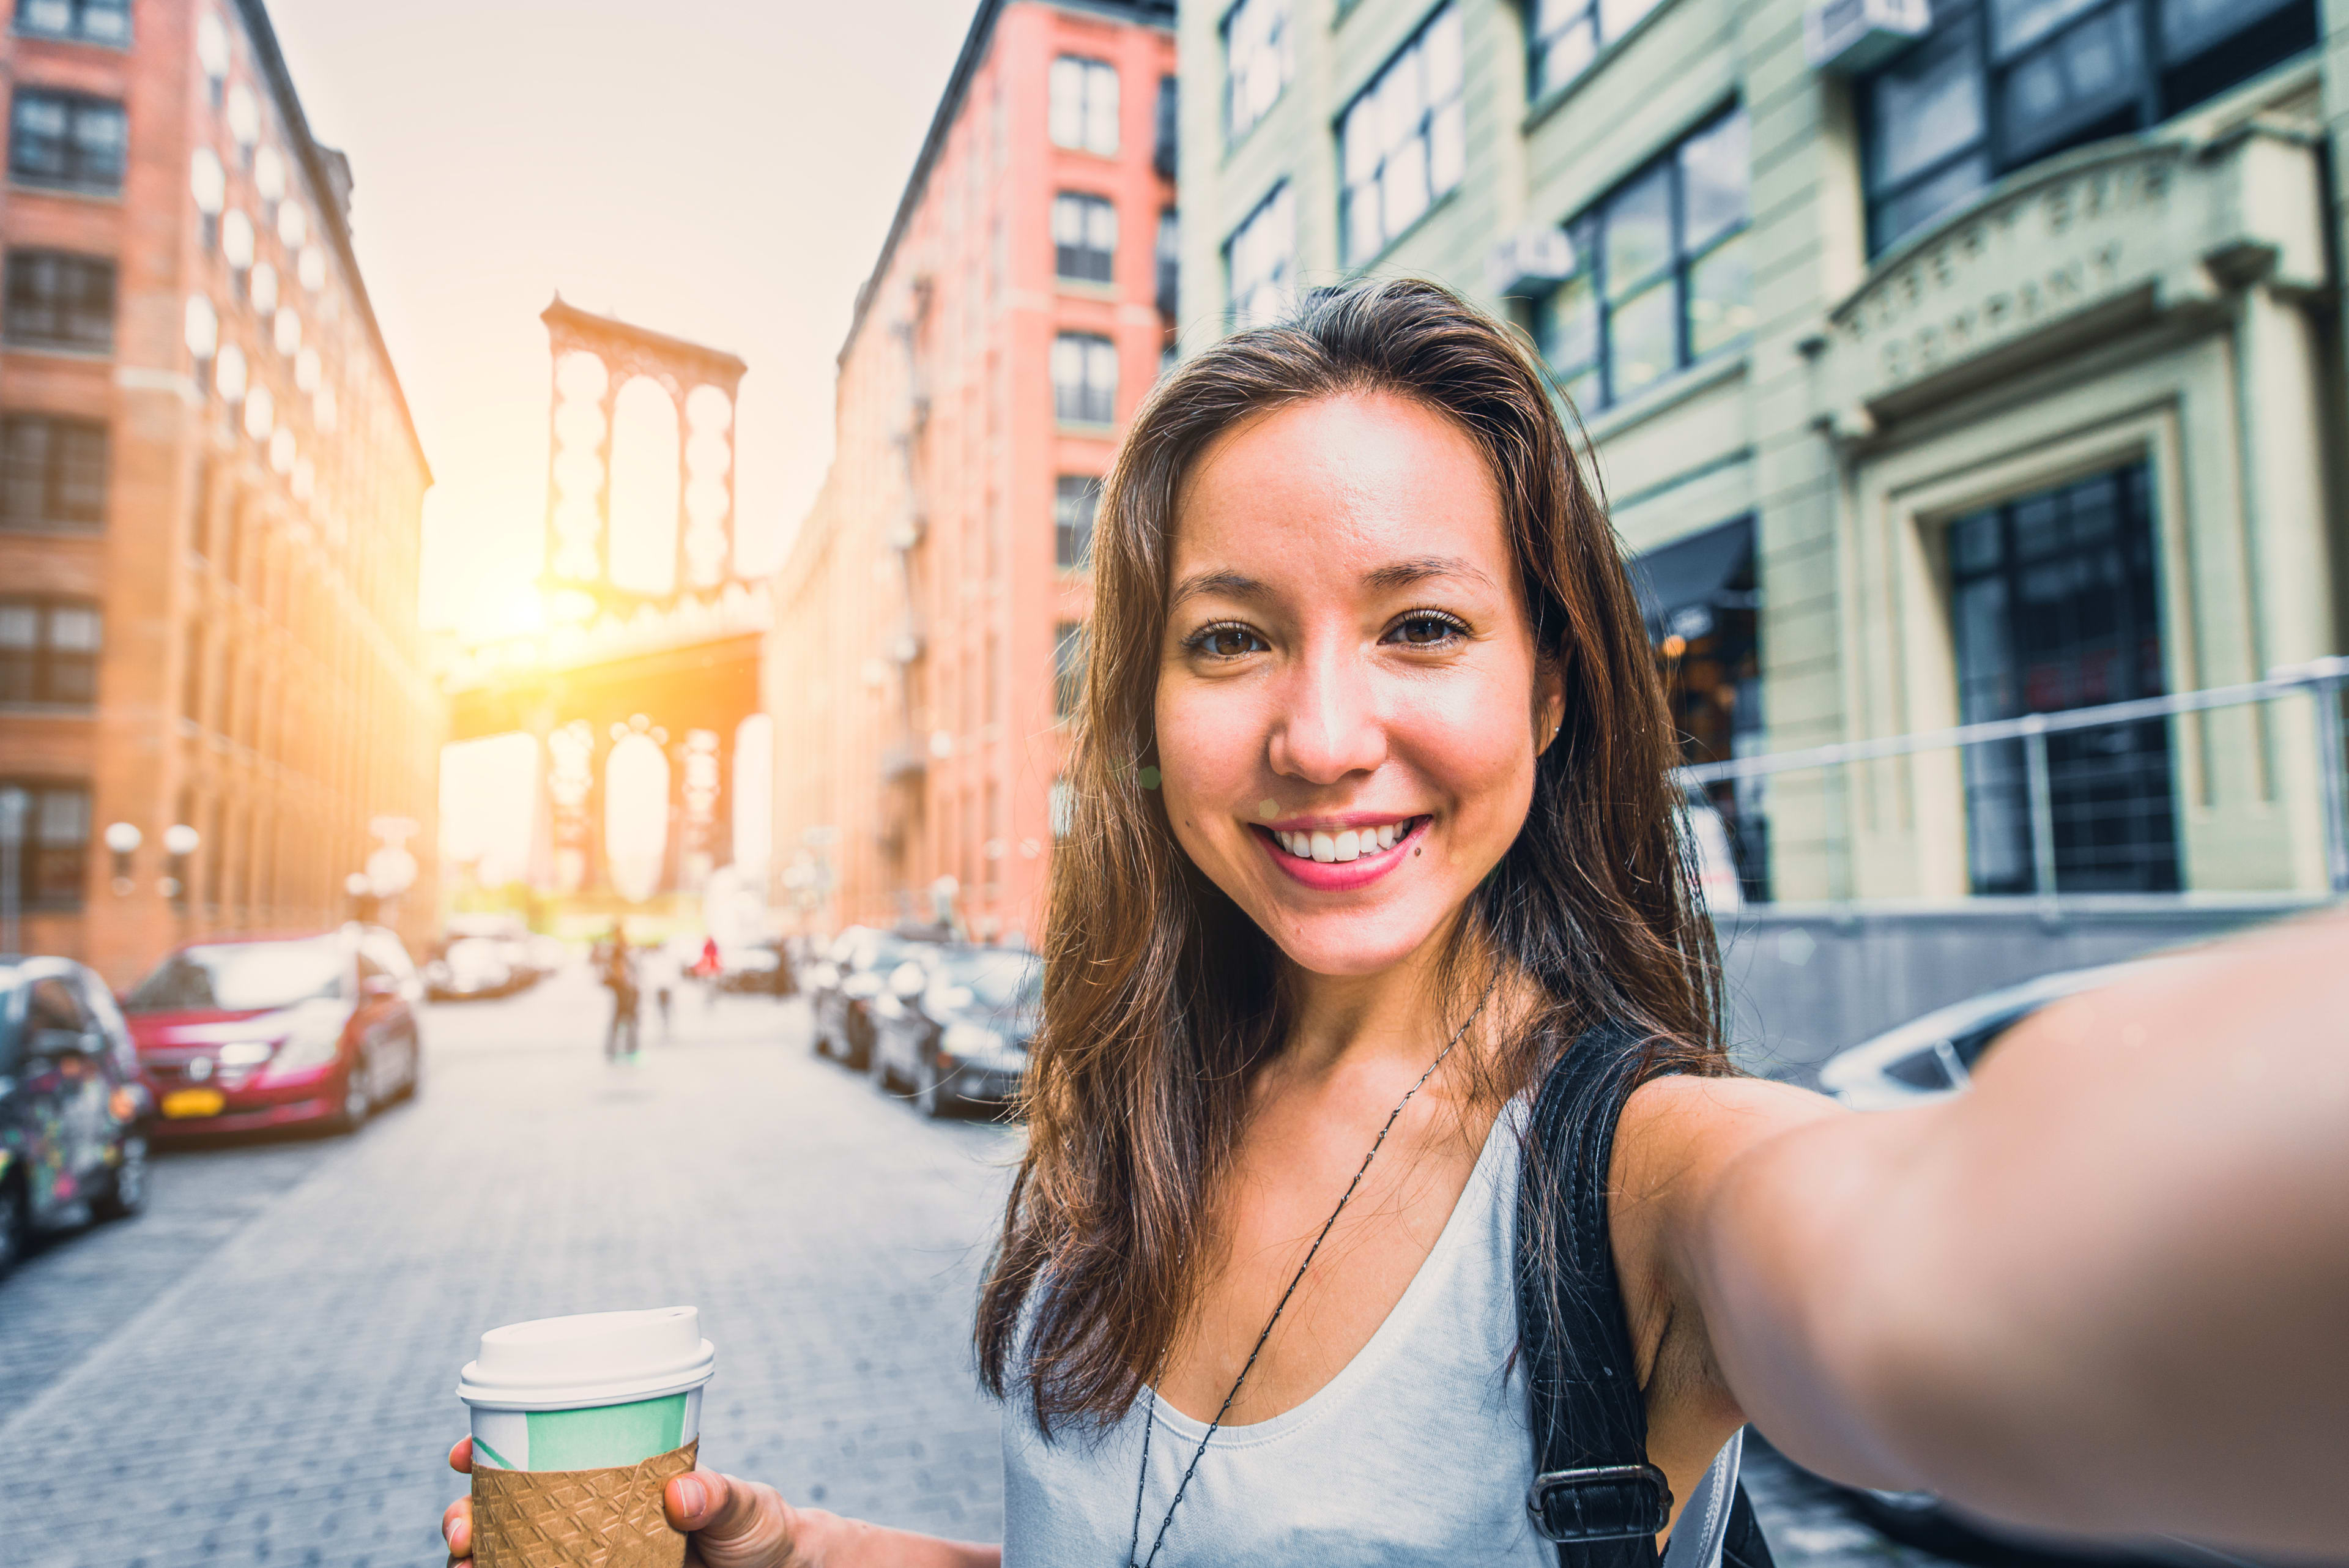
(1142, 1481)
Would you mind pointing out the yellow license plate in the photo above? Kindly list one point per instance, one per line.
(193, 1103)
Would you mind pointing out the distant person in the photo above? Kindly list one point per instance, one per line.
(707, 968)
(619, 976)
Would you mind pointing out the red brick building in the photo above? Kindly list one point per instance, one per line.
(929, 620)
(210, 499)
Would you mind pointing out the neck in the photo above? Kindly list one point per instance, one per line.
(1355, 1020)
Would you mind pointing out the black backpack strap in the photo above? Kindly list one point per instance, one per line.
(1594, 1494)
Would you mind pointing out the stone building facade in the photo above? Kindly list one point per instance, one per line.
(209, 500)
(1942, 362)
(929, 620)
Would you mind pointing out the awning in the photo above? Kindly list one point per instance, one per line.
(1682, 584)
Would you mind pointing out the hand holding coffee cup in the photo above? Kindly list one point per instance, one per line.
(579, 1424)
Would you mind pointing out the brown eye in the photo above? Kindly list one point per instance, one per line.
(1425, 630)
(1226, 641)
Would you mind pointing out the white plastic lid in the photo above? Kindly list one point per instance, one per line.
(593, 1358)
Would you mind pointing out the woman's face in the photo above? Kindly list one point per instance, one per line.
(1349, 702)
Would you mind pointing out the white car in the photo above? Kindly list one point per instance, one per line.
(1932, 1057)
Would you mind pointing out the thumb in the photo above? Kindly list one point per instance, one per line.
(718, 1507)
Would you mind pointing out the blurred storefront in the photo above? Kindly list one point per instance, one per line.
(930, 618)
(1944, 362)
(213, 714)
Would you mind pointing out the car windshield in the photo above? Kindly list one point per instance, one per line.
(998, 979)
(242, 977)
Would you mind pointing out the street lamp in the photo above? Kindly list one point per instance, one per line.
(123, 838)
(180, 841)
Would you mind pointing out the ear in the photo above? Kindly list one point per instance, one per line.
(1549, 702)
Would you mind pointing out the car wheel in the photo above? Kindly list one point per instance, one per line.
(358, 1104)
(126, 1191)
(16, 1224)
(931, 1097)
(860, 1043)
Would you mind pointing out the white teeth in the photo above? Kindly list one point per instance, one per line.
(1349, 845)
(1387, 836)
(1325, 847)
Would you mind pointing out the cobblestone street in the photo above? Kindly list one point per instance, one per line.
(260, 1368)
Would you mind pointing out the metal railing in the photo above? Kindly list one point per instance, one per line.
(2321, 681)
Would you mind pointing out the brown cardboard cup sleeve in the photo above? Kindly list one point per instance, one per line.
(578, 1518)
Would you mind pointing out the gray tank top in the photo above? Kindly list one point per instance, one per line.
(1416, 1453)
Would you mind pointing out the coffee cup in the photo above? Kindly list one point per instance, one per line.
(616, 1394)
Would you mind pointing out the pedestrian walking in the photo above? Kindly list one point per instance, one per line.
(619, 976)
(1388, 1195)
(707, 968)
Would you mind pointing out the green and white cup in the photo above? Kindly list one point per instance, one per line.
(588, 1392)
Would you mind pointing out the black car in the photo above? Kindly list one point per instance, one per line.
(841, 986)
(953, 1026)
(74, 1112)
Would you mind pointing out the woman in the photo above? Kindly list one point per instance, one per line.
(1372, 832)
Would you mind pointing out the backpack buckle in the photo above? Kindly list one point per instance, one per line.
(1604, 1502)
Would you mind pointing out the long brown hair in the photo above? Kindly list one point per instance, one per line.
(1161, 998)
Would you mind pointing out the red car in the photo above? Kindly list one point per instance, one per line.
(250, 1032)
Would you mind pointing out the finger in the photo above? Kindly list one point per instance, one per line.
(721, 1509)
(461, 1458)
(457, 1528)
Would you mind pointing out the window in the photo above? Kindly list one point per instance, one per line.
(1165, 155)
(1259, 59)
(1403, 139)
(49, 653)
(67, 140)
(47, 826)
(86, 21)
(58, 300)
(1074, 498)
(1083, 110)
(1170, 264)
(1084, 379)
(1999, 83)
(2054, 606)
(1068, 668)
(1663, 275)
(1261, 262)
(1568, 34)
(1084, 237)
(52, 472)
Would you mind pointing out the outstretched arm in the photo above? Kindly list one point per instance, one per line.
(2107, 1291)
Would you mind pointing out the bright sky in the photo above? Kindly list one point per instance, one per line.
(721, 170)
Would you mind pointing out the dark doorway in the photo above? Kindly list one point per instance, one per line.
(2055, 606)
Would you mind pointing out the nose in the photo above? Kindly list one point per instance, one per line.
(1330, 724)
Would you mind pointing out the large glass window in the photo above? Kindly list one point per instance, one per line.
(1663, 275)
(2054, 606)
(1259, 59)
(1074, 497)
(1568, 34)
(1084, 106)
(67, 140)
(52, 472)
(1260, 261)
(1084, 379)
(46, 826)
(1170, 263)
(1084, 237)
(58, 300)
(86, 21)
(1998, 84)
(48, 651)
(1403, 139)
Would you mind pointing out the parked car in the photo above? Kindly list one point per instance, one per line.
(952, 1025)
(522, 953)
(474, 967)
(1933, 1058)
(752, 968)
(250, 1032)
(74, 1114)
(841, 988)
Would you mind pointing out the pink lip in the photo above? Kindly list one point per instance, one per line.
(1339, 875)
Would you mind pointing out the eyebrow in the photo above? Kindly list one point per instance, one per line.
(1385, 579)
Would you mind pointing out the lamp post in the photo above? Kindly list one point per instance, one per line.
(124, 839)
(180, 841)
(14, 809)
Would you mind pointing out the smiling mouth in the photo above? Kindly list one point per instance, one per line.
(1349, 843)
